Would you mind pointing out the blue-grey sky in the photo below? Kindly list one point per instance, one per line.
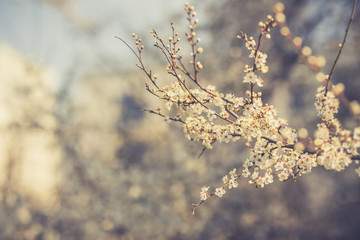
(47, 34)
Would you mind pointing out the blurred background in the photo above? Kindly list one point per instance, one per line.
(80, 160)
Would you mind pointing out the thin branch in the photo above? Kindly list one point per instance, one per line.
(137, 56)
(341, 46)
(202, 152)
(177, 119)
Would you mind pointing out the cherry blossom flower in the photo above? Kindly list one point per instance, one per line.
(219, 191)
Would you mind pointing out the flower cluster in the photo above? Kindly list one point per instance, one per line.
(259, 57)
(204, 193)
(209, 116)
(326, 104)
(335, 145)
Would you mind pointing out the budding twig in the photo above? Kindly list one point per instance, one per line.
(137, 56)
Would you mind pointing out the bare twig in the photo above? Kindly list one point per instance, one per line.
(137, 56)
(175, 119)
(341, 46)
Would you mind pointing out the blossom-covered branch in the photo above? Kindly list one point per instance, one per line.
(210, 116)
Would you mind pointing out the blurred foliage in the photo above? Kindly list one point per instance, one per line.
(85, 162)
